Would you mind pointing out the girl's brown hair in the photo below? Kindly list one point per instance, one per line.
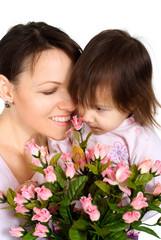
(118, 64)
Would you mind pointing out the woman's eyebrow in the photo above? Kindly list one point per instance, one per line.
(59, 83)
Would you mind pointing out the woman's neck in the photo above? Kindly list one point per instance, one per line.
(14, 134)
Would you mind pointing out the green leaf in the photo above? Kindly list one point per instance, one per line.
(29, 236)
(76, 187)
(31, 205)
(103, 186)
(98, 229)
(118, 227)
(88, 136)
(12, 208)
(64, 212)
(105, 231)
(92, 168)
(116, 236)
(154, 207)
(10, 197)
(76, 135)
(130, 184)
(135, 224)
(133, 170)
(44, 203)
(65, 203)
(81, 224)
(54, 159)
(20, 215)
(104, 166)
(143, 178)
(38, 169)
(111, 218)
(114, 207)
(157, 203)
(55, 199)
(61, 178)
(77, 234)
(147, 230)
(51, 186)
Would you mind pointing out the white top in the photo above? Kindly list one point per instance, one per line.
(7, 219)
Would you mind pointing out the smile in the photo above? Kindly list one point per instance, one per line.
(61, 119)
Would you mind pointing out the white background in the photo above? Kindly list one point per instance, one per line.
(84, 18)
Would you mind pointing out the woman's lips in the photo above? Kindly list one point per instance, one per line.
(61, 120)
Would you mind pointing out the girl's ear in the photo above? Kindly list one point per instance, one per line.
(6, 89)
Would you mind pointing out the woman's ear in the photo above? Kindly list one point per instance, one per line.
(6, 89)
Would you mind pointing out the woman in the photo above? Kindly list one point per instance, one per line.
(36, 61)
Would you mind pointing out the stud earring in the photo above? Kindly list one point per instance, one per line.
(7, 104)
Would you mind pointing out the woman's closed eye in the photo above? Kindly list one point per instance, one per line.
(49, 92)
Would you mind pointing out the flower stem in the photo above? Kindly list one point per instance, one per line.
(151, 225)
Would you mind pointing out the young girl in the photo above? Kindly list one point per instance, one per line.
(112, 85)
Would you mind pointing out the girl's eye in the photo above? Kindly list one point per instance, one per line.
(50, 92)
(100, 109)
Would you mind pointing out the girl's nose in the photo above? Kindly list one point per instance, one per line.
(87, 115)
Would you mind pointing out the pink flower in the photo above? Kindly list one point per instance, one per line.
(32, 148)
(130, 217)
(36, 162)
(42, 215)
(1, 195)
(66, 157)
(17, 232)
(55, 226)
(133, 231)
(21, 209)
(145, 166)
(90, 209)
(118, 176)
(93, 212)
(19, 199)
(139, 201)
(157, 167)
(49, 157)
(43, 193)
(77, 123)
(157, 190)
(41, 230)
(70, 170)
(28, 192)
(98, 151)
(50, 176)
(101, 151)
(43, 151)
(86, 202)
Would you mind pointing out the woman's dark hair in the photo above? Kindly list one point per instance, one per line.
(119, 65)
(27, 41)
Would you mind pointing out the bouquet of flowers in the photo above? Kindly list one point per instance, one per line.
(84, 196)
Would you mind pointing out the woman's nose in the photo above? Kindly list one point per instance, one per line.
(67, 103)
